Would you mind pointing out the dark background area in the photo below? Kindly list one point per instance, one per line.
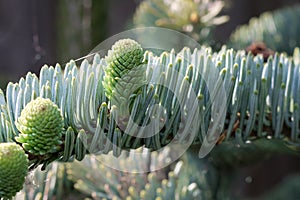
(34, 33)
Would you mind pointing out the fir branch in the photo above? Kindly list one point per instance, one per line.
(262, 101)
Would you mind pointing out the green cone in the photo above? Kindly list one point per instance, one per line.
(124, 56)
(13, 169)
(41, 126)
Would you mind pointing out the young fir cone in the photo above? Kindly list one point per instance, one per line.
(41, 126)
(13, 169)
(124, 56)
(124, 75)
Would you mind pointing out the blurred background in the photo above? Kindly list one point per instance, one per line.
(34, 33)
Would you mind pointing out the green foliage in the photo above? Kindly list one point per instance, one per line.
(186, 179)
(195, 18)
(51, 183)
(279, 30)
(262, 109)
(262, 101)
(41, 126)
(13, 169)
